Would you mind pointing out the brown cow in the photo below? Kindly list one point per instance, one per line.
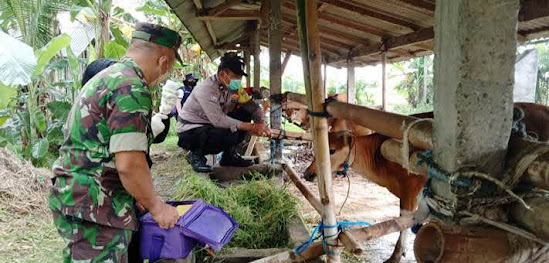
(364, 156)
(344, 146)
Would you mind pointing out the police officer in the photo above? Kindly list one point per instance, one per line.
(215, 119)
(102, 170)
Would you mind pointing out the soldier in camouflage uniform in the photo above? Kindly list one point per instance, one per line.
(102, 170)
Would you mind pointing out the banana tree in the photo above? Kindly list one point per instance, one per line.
(30, 124)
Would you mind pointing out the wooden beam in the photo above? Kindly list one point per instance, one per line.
(232, 15)
(363, 10)
(285, 62)
(429, 6)
(392, 43)
(264, 13)
(383, 81)
(218, 9)
(341, 21)
(325, 31)
(533, 9)
(248, 81)
(307, 193)
(275, 73)
(198, 4)
(383, 228)
(257, 63)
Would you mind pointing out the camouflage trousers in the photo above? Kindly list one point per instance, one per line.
(90, 242)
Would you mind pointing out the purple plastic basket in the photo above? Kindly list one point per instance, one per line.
(209, 225)
(202, 223)
(157, 243)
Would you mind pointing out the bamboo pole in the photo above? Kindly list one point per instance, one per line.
(310, 48)
(251, 146)
(350, 243)
(386, 123)
(392, 150)
(384, 228)
(383, 80)
(291, 135)
(308, 194)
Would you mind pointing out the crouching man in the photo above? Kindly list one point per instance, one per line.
(217, 115)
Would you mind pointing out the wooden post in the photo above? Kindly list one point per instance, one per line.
(285, 62)
(383, 81)
(351, 88)
(257, 62)
(325, 79)
(247, 61)
(275, 73)
(310, 52)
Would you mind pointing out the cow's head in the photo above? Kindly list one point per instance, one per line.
(341, 145)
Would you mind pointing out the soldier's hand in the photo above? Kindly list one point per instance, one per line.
(164, 214)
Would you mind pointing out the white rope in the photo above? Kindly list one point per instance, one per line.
(405, 150)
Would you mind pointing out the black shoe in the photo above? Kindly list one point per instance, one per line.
(234, 160)
(198, 162)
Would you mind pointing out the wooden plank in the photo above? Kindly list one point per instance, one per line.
(363, 10)
(264, 13)
(429, 6)
(533, 9)
(384, 228)
(232, 15)
(341, 21)
(251, 146)
(218, 9)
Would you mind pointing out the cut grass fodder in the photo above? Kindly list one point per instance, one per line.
(261, 209)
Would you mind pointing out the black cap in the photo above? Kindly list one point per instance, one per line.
(233, 62)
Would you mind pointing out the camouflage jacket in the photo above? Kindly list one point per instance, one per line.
(111, 114)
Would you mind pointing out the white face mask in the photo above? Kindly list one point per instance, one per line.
(162, 78)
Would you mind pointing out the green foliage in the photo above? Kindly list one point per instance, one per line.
(59, 109)
(408, 109)
(114, 50)
(46, 53)
(7, 94)
(542, 87)
(40, 148)
(260, 207)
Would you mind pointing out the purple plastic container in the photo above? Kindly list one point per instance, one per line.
(202, 223)
(209, 225)
(157, 243)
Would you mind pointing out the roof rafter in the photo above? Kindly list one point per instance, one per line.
(372, 12)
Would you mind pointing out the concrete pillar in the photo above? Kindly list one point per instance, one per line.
(351, 88)
(275, 73)
(474, 73)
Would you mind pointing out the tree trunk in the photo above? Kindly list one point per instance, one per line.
(102, 31)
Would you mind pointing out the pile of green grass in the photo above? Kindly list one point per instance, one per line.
(261, 209)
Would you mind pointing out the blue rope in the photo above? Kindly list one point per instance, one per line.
(433, 171)
(318, 232)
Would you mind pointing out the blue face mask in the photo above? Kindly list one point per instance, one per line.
(235, 84)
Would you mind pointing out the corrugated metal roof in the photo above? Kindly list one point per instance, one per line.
(348, 28)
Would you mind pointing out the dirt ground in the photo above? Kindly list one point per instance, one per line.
(366, 201)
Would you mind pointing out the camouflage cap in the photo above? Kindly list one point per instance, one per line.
(158, 35)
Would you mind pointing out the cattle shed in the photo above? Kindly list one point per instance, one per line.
(476, 209)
